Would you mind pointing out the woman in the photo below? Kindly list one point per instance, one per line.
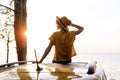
(63, 41)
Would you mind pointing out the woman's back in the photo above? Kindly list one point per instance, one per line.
(63, 45)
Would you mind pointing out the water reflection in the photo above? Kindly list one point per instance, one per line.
(23, 73)
(63, 73)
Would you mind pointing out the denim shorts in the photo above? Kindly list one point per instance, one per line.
(62, 62)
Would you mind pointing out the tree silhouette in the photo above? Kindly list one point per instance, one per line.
(20, 27)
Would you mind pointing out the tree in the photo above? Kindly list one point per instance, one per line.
(6, 27)
(6, 33)
(20, 28)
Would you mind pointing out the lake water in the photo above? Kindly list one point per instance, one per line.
(109, 62)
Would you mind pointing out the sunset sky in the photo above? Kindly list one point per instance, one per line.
(100, 19)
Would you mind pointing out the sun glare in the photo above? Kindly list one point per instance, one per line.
(31, 44)
(31, 37)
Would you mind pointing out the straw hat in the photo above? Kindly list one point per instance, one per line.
(63, 22)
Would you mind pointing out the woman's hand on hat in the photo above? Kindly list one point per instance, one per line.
(71, 24)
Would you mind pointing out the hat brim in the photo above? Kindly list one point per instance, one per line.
(60, 23)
